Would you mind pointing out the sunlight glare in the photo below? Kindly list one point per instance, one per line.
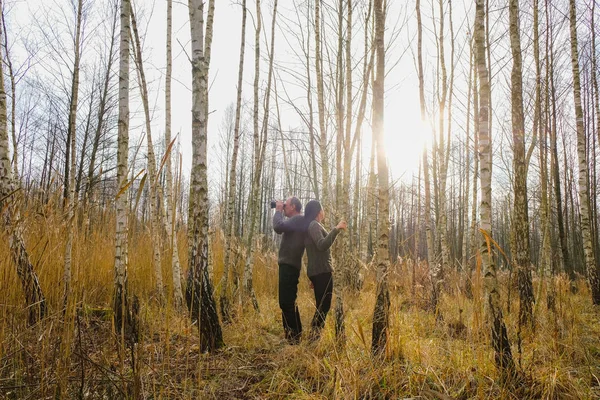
(405, 136)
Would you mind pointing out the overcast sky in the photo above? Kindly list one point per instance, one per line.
(402, 100)
(403, 130)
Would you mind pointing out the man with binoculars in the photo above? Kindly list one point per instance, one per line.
(291, 250)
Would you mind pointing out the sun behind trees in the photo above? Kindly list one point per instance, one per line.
(461, 151)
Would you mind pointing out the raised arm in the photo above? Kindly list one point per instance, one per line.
(321, 241)
(280, 224)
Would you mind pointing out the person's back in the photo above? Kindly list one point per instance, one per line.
(292, 245)
(317, 243)
(319, 268)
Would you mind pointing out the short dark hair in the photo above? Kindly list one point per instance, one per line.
(296, 203)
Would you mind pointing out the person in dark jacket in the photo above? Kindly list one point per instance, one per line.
(320, 268)
(291, 250)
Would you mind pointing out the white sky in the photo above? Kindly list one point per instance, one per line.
(402, 101)
(403, 129)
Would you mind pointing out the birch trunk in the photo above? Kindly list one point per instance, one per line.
(86, 138)
(566, 259)
(584, 200)
(500, 342)
(34, 298)
(594, 72)
(224, 299)
(121, 316)
(541, 127)
(465, 242)
(372, 201)
(338, 86)
(72, 127)
(259, 151)
(286, 168)
(154, 199)
(520, 219)
(369, 52)
(247, 283)
(428, 231)
(353, 275)
(13, 92)
(344, 258)
(382, 304)
(594, 76)
(321, 107)
(171, 210)
(199, 291)
(311, 119)
(442, 161)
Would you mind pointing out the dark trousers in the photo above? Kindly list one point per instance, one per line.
(323, 286)
(288, 291)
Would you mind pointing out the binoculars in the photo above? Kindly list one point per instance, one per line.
(274, 203)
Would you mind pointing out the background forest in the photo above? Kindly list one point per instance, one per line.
(142, 142)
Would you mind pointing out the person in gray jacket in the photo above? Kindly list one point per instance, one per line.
(320, 268)
(291, 251)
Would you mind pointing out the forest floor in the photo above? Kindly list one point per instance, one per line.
(427, 357)
(446, 356)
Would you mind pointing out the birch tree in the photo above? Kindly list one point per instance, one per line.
(564, 246)
(428, 228)
(473, 233)
(595, 88)
(583, 183)
(540, 126)
(520, 219)
(72, 145)
(441, 158)
(224, 300)
(253, 201)
(13, 93)
(199, 291)
(155, 200)
(500, 342)
(34, 298)
(122, 200)
(321, 106)
(465, 236)
(171, 209)
(382, 304)
(260, 148)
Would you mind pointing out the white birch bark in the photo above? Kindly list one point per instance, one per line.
(224, 300)
(13, 91)
(34, 298)
(199, 292)
(382, 304)
(427, 216)
(520, 218)
(122, 200)
(465, 242)
(441, 159)
(171, 210)
(72, 126)
(260, 145)
(500, 343)
(583, 182)
(154, 199)
(321, 107)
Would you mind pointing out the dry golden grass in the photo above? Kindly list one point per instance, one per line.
(78, 355)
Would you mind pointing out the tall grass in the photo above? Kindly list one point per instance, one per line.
(76, 354)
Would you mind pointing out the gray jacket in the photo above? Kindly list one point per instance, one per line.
(291, 248)
(317, 243)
